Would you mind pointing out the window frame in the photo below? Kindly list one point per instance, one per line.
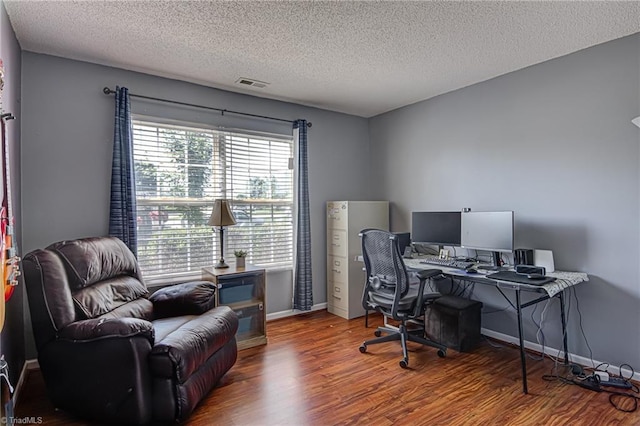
(166, 277)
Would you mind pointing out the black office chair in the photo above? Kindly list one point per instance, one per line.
(388, 291)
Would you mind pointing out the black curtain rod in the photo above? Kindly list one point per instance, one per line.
(108, 91)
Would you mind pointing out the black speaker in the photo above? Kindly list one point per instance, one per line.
(523, 256)
(528, 269)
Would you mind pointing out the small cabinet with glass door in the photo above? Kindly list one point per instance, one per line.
(243, 290)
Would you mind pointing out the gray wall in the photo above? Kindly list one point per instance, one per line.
(67, 144)
(555, 143)
(12, 345)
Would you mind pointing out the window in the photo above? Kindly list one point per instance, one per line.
(180, 171)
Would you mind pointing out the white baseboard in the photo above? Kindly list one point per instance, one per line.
(293, 312)
(557, 353)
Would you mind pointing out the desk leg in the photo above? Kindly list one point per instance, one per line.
(523, 359)
(564, 328)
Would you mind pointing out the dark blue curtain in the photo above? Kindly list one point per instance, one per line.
(122, 216)
(303, 291)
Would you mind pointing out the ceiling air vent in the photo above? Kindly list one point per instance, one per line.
(253, 83)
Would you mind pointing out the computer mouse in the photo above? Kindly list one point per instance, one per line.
(536, 276)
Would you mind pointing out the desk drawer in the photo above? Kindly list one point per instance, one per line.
(337, 243)
(339, 294)
(337, 269)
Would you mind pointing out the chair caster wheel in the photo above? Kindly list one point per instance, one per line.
(377, 333)
(404, 363)
(442, 353)
(363, 349)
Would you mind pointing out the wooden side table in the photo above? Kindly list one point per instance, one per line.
(243, 290)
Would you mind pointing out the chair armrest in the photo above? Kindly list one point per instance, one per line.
(193, 298)
(428, 273)
(99, 328)
(425, 275)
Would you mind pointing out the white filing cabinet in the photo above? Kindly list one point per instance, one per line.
(345, 275)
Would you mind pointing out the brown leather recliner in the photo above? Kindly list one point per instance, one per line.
(107, 350)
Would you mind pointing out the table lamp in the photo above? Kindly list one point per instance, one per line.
(221, 216)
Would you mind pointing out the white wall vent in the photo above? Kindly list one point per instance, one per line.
(253, 83)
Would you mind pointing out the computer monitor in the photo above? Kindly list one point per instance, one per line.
(437, 228)
(490, 231)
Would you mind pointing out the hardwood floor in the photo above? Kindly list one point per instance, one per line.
(311, 373)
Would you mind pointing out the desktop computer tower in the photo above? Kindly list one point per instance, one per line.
(454, 322)
(404, 240)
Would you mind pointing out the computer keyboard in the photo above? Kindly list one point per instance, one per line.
(450, 263)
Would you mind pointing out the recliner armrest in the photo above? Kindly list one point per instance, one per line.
(192, 298)
(99, 328)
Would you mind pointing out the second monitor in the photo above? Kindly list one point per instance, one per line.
(491, 231)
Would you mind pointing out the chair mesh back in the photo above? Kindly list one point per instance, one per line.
(382, 258)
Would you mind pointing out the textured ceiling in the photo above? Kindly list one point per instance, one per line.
(361, 58)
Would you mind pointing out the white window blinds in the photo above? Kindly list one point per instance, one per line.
(180, 171)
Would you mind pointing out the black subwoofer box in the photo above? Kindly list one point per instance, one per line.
(454, 322)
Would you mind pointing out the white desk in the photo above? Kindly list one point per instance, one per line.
(563, 279)
(556, 288)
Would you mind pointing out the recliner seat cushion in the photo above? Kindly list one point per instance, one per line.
(182, 351)
(140, 308)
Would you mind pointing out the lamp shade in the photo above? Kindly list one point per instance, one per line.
(636, 121)
(221, 214)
